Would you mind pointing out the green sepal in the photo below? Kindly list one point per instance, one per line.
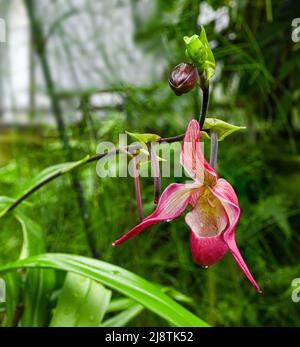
(145, 138)
(223, 129)
(200, 54)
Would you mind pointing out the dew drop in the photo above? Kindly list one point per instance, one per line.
(204, 267)
(114, 272)
(169, 220)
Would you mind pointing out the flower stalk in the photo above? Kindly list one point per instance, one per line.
(213, 149)
(137, 188)
(155, 171)
(205, 99)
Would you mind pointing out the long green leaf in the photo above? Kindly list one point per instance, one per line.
(33, 237)
(120, 304)
(36, 298)
(5, 201)
(12, 286)
(82, 303)
(117, 278)
(43, 177)
(38, 283)
(123, 318)
(51, 171)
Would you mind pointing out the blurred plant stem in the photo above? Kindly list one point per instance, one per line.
(205, 98)
(213, 149)
(155, 171)
(211, 290)
(40, 49)
(137, 188)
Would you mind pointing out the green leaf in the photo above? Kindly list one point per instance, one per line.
(116, 278)
(204, 135)
(33, 237)
(82, 303)
(120, 304)
(36, 297)
(222, 128)
(200, 54)
(12, 289)
(5, 201)
(75, 164)
(178, 296)
(145, 138)
(123, 318)
(38, 283)
(46, 175)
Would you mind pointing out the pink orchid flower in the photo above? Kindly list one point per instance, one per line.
(215, 213)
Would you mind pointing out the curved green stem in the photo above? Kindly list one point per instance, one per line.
(87, 160)
(205, 99)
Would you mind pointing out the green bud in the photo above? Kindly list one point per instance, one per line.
(200, 54)
(195, 51)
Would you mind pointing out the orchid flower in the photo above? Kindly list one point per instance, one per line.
(215, 208)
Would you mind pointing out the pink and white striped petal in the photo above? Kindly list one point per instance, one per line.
(224, 191)
(192, 158)
(172, 203)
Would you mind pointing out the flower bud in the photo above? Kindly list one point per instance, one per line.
(183, 78)
(199, 53)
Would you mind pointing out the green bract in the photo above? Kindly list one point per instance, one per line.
(220, 127)
(199, 53)
(145, 138)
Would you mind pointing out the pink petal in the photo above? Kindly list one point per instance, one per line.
(207, 221)
(172, 203)
(192, 158)
(207, 250)
(224, 191)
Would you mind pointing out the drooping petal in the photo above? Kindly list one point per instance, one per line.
(172, 203)
(192, 158)
(207, 221)
(224, 191)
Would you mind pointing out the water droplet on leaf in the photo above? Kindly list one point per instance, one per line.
(114, 272)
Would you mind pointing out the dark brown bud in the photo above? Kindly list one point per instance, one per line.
(183, 78)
